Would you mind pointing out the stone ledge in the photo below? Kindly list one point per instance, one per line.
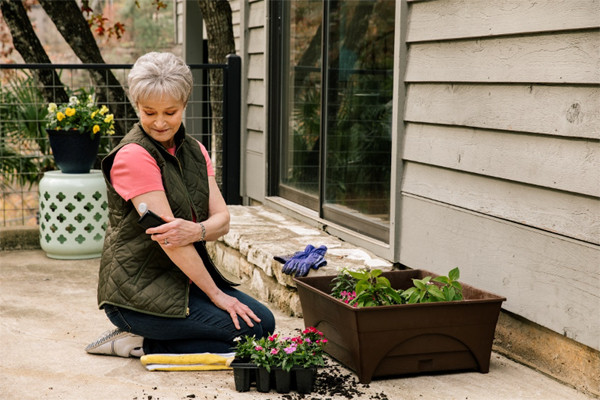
(257, 234)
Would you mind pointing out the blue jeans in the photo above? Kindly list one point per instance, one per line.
(207, 328)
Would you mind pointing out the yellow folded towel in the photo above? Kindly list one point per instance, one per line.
(188, 362)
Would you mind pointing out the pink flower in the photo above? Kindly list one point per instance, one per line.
(258, 348)
(290, 349)
(310, 329)
(272, 338)
(274, 351)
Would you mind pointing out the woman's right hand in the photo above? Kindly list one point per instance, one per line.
(235, 308)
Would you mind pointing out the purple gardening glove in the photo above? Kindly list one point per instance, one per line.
(301, 262)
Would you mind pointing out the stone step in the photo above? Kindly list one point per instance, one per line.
(257, 234)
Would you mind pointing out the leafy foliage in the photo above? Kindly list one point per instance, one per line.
(82, 114)
(304, 350)
(372, 289)
(343, 282)
(367, 288)
(425, 291)
(23, 142)
(24, 148)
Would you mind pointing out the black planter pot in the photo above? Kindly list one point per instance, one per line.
(263, 380)
(244, 375)
(305, 379)
(74, 152)
(283, 380)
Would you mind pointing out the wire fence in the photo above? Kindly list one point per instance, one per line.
(24, 147)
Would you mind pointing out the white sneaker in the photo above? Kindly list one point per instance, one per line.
(117, 343)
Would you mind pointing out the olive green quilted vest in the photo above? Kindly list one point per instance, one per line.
(135, 272)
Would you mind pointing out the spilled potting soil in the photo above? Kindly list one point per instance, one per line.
(332, 382)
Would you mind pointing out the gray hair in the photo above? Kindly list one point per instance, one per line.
(160, 74)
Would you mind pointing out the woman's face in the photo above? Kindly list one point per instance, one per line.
(161, 117)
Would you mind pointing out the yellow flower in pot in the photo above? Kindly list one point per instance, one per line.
(74, 129)
(83, 116)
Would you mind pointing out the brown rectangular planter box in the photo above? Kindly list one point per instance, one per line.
(404, 338)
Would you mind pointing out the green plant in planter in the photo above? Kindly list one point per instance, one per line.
(372, 289)
(263, 355)
(342, 283)
(425, 291)
(305, 350)
(367, 288)
(244, 347)
(82, 115)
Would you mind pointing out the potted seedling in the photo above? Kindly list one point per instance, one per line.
(289, 362)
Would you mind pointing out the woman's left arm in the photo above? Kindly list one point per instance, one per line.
(180, 232)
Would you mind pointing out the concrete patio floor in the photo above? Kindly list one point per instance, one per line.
(48, 314)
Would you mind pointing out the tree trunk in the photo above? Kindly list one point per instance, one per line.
(29, 46)
(73, 27)
(216, 15)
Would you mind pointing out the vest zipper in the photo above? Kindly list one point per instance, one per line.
(187, 299)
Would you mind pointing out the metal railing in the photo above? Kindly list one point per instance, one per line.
(24, 148)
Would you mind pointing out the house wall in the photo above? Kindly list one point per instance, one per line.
(249, 22)
(497, 133)
(501, 172)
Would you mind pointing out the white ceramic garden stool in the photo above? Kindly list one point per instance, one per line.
(73, 214)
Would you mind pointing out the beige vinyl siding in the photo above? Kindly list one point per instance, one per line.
(501, 153)
(476, 19)
(254, 100)
(236, 16)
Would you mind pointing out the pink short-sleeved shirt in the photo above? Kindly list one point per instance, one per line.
(135, 171)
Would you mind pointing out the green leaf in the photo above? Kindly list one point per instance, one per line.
(361, 286)
(376, 272)
(420, 284)
(454, 274)
(436, 292)
(408, 292)
(384, 281)
(395, 296)
(442, 279)
(414, 298)
(451, 293)
(357, 275)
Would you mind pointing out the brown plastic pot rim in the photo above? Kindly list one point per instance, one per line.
(493, 298)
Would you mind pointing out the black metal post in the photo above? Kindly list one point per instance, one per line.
(232, 85)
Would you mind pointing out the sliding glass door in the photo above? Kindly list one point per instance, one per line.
(301, 102)
(335, 105)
